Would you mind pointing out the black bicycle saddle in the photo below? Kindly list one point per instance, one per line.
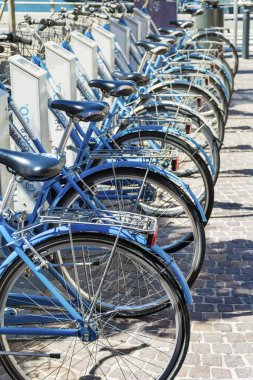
(84, 111)
(184, 24)
(32, 166)
(194, 11)
(139, 79)
(154, 47)
(162, 38)
(171, 31)
(114, 87)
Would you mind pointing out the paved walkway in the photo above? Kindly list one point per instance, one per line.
(222, 317)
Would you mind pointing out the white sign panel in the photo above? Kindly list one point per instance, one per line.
(135, 26)
(105, 40)
(85, 51)
(29, 91)
(61, 64)
(144, 19)
(122, 34)
(5, 176)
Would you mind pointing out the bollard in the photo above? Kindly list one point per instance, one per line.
(246, 31)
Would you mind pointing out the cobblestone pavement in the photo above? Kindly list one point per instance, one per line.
(222, 321)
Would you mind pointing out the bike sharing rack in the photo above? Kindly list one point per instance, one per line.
(5, 176)
(61, 65)
(106, 42)
(29, 92)
(122, 34)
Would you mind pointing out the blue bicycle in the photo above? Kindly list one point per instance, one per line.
(53, 326)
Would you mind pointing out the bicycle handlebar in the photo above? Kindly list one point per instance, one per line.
(49, 23)
(13, 38)
(44, 22)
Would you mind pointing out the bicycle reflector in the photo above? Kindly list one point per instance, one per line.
(188, 128)
(207, 81)
(174, 161)
(200, 102)
(152, 235)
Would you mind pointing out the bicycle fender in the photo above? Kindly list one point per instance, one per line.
(7, 262)
(174, 131)
(141, 165)
(175, 271)
(75, 228)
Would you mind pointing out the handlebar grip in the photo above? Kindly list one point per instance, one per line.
(25, 41)
(58, 23)
(47, 23)
(13, 38)
(101, 15)
(42, 27)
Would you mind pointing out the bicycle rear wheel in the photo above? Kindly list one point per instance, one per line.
(201, 133)
(229, 51)
(190, 167)
(133, 189)
(153, 346)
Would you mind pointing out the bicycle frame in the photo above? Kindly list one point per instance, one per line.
(37, 271)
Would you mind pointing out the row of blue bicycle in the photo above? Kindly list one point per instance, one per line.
(95, 283)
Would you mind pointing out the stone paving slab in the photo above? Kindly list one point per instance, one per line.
(222, 315)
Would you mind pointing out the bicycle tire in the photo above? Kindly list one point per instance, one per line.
(184, 147)
(214, 34)
(41, 368)
(184, 239)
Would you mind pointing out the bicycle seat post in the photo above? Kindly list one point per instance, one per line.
(5, 204)
(66, 134)
(145, 58)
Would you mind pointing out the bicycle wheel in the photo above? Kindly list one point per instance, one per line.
(196, 98)
(124, 347)
(220, 69)
(201, 133)
(213, 85)
(190, 167)
(229, 51)
(176, 109)
(133, 189)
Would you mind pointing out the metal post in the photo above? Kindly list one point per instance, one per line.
(2, 8)
(52, 6)
(245, 37)
(12, 17)
(235, 21)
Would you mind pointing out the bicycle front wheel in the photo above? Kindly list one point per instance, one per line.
(153, 346)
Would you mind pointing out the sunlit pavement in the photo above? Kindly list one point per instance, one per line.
(222, 321)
